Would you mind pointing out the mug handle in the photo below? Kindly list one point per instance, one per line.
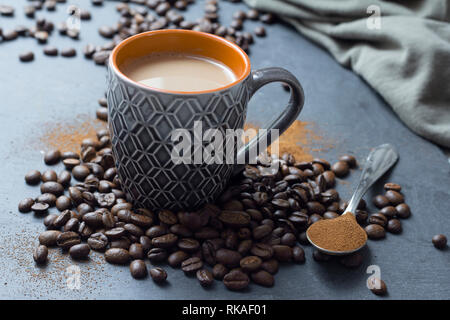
(260, 78)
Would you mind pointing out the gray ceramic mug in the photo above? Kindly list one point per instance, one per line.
(142, 118)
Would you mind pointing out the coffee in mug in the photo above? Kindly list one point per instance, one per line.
(177, 71)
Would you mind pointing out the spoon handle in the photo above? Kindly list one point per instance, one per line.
(379, 161)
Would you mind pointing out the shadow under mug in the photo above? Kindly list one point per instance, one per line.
(141, 119)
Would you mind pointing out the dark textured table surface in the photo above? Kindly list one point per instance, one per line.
(344, 111)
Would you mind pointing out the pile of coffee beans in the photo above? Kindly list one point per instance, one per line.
(144, 15)
(258, 222)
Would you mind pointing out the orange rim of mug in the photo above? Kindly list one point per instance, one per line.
(183, 41)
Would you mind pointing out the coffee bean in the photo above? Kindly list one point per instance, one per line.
(191, 265)
(25, 205)
(261, 231)
(189, 245)
(26, 56)
(236, 280)
(72, 225)
(9, 35)
(64, 178)
(298, 254)
(62, 219)
(260, 31)
(176, 258)
(79, 251)
(63, 203)
(205, 277)
(392, 186)
(262, 250)
(39, 207)
(263, 278)
(228, 258)
(52, 157)
(252, 14)
(80, 172)
(389, 212)
(282, 253)
(47, 198)
(270, 266)
(351, 160)
(97, 2)
(138, 269)
(157, 254)
(439, 241)
(29, 11)
(394, 226)
(158, 275)
(353, 260)
(378, 218)
(117, 256)
(98, 241)
(377, 286)
(234, 218)
(250, 263)
(165, 241)
(340, 169)
(68, 52)
(50, 51)
(381, 201)
(101, 57)
(40, 254)
(48, 238)
(167, 217)
(33, 177)
(267, 18)
(375, 231)
(49, 175)
(394, 197)
(403, 211)
(67, 239)
(219, 271)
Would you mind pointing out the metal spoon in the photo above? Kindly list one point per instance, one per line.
(378, 162)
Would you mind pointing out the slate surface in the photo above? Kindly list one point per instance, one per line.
(344, 110)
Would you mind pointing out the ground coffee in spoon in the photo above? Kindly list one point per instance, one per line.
(340, 234)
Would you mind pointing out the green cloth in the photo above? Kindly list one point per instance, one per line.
(407, 60)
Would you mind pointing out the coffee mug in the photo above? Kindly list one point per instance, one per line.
(141, 119)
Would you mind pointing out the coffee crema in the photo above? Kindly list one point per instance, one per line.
(179, 72)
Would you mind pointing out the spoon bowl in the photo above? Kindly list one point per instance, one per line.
(380, 160)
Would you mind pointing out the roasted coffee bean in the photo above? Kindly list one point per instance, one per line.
(26, 56)
(67, 239)
(349, 159)
(68, 52)
(52, 187)
(392, 186)
(72, 225)
(117, 256)
(252, 14)
(115, 233)
(63, 203)
(378, 218)
(133, 230)
(33, 177)
(25, 205)
(298, 254)
(181, 231)
(375, 231)
(330, 215)
(49, 175)
(40, 207)
(263, 278)
(157, 254)
(389, 212)
(219, 271)
(98, 241)
(79, 251)
(262, 250)
(394, 226)
(48, 238)
(9, 35)
(394, 197)
(47, 198)
(40, 254)
(176, 258)
(260, 31)
(167, 217)
(29, 11)
(205, 277)
(377, 286)
(48, 221)
(138, 269)
(267, 18)
(94, 219)
(206, 233)
(381, 201)
(84, 230)
(250, 263)
(80, 172)
(165, 241)
(136, 251)
(236, 280)
(188, 245)
(158, 275)
(62, 219)
(340, 169)
(64, 178)
(52, 157)
(439, 241)
(228, 258)
(191, 265)
(282, 253)
(97, 2)
(320, 257)
(141, 220)
(270, 266)
(261, 231)
(50, 51)
(403, 211)
(234, 218)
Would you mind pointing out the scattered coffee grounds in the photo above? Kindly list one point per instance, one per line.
(339, 234)
(299, 140)
(69, 136)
